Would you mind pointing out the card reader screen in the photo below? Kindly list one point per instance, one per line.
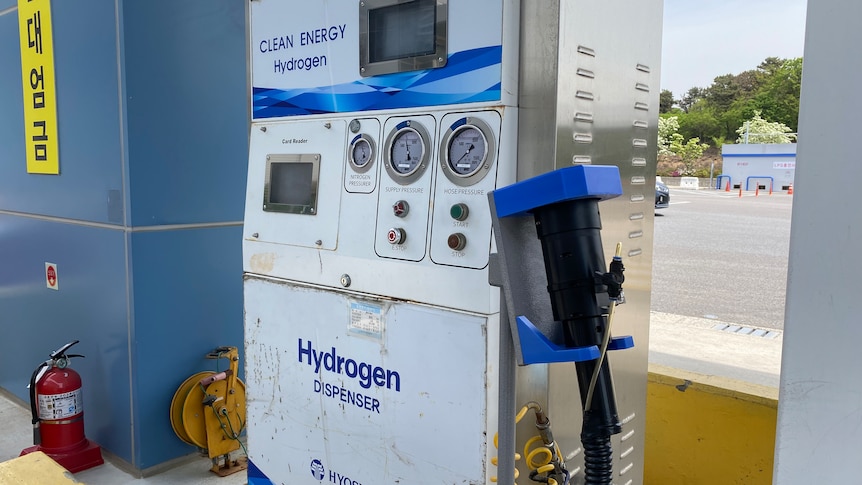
(402, 31)
(292, 183)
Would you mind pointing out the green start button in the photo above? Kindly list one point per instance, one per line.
(459, 211)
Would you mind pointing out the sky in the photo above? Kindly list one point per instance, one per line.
(707, 38)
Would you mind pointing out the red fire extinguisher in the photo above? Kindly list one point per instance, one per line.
(58, 414)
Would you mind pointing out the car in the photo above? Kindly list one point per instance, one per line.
(662, 195)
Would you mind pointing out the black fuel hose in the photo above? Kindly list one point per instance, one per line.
(598, 460)
(570, 235)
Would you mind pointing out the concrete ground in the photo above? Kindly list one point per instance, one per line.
(724, 259)
(716, 348)
(18, 434)
(703, 346)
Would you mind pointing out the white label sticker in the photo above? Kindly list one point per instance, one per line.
(60, 406)
(366, 318)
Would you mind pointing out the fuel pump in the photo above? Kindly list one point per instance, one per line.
(374, 339)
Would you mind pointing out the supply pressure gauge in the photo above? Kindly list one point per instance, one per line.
(407, 152)
(467, 151)
(361, 153)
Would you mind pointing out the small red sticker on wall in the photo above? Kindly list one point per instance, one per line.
(51, 277)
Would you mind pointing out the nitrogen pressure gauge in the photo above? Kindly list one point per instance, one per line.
(361, 153)
(407, 152)
(467, 151)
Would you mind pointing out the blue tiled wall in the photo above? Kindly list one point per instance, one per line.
(91, 164)
(12, 161)
(187, 101)
(152, 106)
(186, 292)
(91, 306)
(186, 106)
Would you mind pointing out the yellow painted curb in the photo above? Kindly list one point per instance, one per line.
(705, 430)
(34, 469)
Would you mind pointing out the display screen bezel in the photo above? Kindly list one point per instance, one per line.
(409, 62)
(310, 205)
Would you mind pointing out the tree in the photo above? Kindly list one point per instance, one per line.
(723, 92)
(671, 143)
(741, 111)
(689, 151)
(764, 131)
(748, 82)
(772, 88)
(770, 65)
(778, 99)
(665, 103)
(691, 97)
(667, 127)
(699, 122)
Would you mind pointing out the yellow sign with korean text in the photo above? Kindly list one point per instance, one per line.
(40, 90)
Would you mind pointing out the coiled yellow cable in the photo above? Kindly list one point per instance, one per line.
(540, 466)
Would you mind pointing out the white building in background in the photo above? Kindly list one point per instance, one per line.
(749, 166)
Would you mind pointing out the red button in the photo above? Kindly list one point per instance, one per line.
(456, 242)
(401, 208)
(396, 235)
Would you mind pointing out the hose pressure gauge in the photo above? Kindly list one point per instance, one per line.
(467, 151)
(407, 152)
(361, 153)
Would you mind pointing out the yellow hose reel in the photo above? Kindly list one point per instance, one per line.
(208, 411)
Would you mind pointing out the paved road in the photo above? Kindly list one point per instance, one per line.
(722, 257)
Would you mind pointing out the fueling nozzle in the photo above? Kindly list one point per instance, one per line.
(565, 208)
(614, 279)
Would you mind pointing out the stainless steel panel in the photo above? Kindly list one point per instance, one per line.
(589, 88)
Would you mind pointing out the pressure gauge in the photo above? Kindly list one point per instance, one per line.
(407, 152)
(467, 151)
(361, 153)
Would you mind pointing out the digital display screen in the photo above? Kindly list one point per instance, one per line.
(292, 184)
(402, 31)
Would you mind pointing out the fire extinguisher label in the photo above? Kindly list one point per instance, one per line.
(60, 406)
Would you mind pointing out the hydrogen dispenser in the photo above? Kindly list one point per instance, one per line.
(404, 154)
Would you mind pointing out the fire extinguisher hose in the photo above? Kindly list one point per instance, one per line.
(37, 436)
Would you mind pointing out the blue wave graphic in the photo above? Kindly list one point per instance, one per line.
(257, 477)
(468, 77)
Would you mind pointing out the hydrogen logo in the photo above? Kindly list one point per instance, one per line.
(317, 469)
